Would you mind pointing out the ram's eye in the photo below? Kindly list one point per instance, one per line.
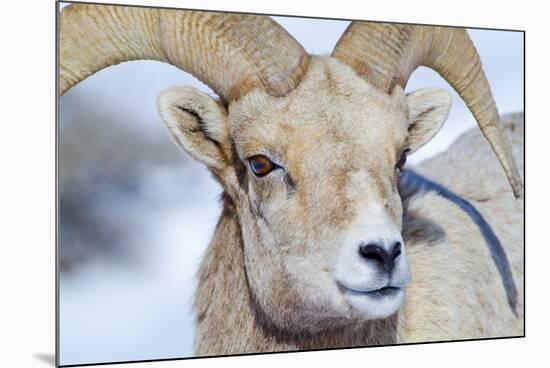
(261, 165)
(402, 160)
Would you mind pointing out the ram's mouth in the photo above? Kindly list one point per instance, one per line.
(386, 291)
(374, 303)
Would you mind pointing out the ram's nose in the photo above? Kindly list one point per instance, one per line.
(379, 254)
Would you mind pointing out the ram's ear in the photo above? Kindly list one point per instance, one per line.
(198, 123)
(428, 109)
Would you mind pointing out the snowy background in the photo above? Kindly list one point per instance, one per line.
(137, 213)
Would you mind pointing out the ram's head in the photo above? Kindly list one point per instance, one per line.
(308, 149)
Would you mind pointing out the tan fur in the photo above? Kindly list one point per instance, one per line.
(480, 309)
(289, 267)
(267, 282)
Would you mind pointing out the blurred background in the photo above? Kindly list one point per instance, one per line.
(136, 213)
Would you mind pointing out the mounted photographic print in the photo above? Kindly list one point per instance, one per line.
(234, 183)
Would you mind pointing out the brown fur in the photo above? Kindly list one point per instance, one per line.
(267, 280)
(439, 304)
(311, 255)
(223, 289)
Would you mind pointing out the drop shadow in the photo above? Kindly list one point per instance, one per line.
(46, 358)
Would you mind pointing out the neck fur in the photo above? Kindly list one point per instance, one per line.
(229, 321)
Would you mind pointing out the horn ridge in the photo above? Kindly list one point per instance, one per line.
(231, 53)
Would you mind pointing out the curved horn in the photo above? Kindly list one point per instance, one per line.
(387, 54)
(231, 53)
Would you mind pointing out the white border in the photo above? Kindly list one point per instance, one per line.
(27, 183)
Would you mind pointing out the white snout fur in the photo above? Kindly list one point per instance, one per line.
(360, 278)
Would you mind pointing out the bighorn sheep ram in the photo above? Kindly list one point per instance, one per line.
(320, 222)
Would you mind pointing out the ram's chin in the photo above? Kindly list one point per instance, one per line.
(375, 304)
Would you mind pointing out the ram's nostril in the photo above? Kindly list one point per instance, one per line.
(374, 252)
(396, 250)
